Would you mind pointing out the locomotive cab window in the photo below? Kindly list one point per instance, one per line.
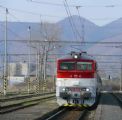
(67, 66)
(84, 66)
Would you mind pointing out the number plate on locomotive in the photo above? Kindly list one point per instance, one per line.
(75, 89)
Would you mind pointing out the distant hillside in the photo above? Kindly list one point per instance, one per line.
(92, 32)
(17, 30)
(108, 50)
(108, 31)
(76, 21)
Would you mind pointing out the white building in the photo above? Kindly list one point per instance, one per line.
(17, 72)
(20, 69)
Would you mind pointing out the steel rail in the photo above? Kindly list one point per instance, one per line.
(56, 114)
(62, 114)
(118, 99)
(52, 114)
(22, 104)
(19, 97)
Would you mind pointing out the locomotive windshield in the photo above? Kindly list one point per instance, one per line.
(76, 66)
(67, 66)
(84, 66)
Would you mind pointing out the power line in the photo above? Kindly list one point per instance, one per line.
(8, 27)
(73, 5)
(109, 68)
(73, 24)
(107, 55)
(67, 11)
(108, 62)
(53, 16)
(48, 3)
(62, 41)
(12, 32)
(97, 55)
(82, 22)
(28, 12)
(18, 22)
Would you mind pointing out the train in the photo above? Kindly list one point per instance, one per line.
(77, 80)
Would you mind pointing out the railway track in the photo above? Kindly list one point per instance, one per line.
(10, 106)
(64, 114)
(24, 96)
(69, 113)
(118, 97)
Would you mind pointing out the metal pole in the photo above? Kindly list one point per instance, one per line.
(29, 50)
(5, 82)
(54, 73)
(39, 71)
(45, 60)
(37, 85)
(121, 78)
(39, 78)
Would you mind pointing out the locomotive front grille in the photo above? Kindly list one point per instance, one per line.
(75, 92)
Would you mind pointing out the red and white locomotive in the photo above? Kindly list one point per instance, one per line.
(78, 82)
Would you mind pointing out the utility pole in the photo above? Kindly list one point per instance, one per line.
(39, 67)
(29, 50)
(121, 78)
(38, 71)
(41, 71)
(5, 82)
(45, 62)
(37, 85)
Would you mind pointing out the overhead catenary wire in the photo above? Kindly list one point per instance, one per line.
(64, 41)
(29, 12)
(20, 22)
(48, 3)
(72, 21)
(73, 5)
(17, 35)
(42, 25)
(82, 23)
(74, 32)
(52, 16)
(96, 55)
(10, 30)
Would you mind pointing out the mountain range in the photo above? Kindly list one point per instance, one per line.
(92, 32)
(72, 28)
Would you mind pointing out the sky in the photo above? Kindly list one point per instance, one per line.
(100, 12)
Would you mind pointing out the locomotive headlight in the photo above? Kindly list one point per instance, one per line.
(75, 56)
(87, 89)
(63, 89)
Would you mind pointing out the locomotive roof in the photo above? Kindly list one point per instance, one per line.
(83, 57)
